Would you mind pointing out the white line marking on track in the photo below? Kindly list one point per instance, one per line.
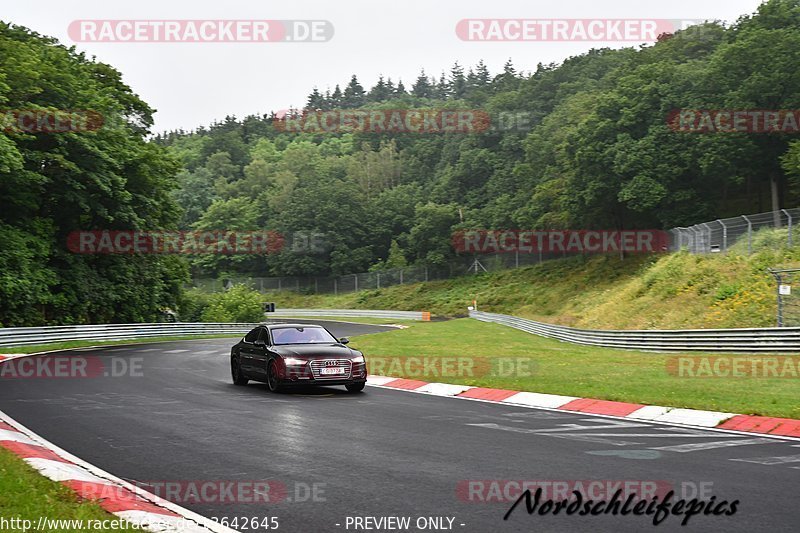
(176, 351)
(771, 460)
(550, 433)
(699, 446)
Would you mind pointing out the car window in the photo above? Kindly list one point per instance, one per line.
(302, 335)
(263, 335)
(252, 336)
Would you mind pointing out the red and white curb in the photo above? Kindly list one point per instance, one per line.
(115, 495)
(125, 500)
(779, 427)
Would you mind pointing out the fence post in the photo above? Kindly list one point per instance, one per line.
(426, 273)
(335, 288)
(401, 276)
(749, 235)
(708, 247)
(695, 239)
(355, 278)
(379, 280)
(316, 285)
(789, 217)
(724, 235)
(778, 281)
(279, 283)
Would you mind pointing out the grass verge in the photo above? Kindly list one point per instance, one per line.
(27, 495)
(584, 371)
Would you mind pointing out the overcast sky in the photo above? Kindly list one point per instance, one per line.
(192, 84)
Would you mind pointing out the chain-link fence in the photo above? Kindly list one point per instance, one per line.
(708, 237)
(378, 279)
(786, 289)
(720, 235)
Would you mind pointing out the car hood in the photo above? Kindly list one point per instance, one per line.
(315, 351)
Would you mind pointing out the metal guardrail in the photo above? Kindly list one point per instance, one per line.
(405, 315)
(775, 340)
(48, 334)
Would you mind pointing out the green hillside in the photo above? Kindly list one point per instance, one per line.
(677, 290)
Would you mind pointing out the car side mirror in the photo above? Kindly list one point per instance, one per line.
(260, 342)
(344, 340)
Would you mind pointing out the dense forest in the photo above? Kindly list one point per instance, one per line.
(581, 144)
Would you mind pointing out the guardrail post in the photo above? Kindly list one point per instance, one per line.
(749, 235)
(789, 217)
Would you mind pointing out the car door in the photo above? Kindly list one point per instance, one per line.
(261, 354)
(247, 350)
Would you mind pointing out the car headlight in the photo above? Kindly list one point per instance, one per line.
(358, 359)
(291, 361)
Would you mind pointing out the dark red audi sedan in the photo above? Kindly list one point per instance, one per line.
(297, 354)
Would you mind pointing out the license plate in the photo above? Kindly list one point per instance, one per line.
(331, 371)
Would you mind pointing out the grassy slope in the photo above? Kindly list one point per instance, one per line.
(666, 291)
(584, 371)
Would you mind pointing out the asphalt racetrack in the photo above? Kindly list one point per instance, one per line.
(331, 457)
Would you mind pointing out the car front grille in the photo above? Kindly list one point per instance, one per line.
(319, 364)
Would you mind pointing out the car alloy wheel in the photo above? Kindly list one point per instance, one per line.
(272, 377)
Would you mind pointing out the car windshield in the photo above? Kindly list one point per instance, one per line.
(302, 335)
